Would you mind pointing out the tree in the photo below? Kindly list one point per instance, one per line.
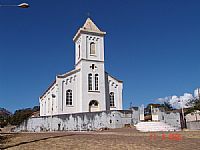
(195, 105)
(166, 106)
(22, 114)
(4, 115)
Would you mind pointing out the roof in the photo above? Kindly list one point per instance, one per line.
(60, 76)
(52, 84)
(90, 27)
(68, 73)
(114, 78)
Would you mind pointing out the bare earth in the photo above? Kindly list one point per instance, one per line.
(125, 139)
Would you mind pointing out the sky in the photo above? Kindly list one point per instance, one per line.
(153, 46)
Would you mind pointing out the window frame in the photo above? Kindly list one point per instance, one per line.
(96, 82)
(79, 51)
(112, 99)
(89, 82)
(93, 45)
(69, 97)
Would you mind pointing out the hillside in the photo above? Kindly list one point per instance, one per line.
(4, 112)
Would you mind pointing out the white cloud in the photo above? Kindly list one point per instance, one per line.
(165, 99)
(176, 101)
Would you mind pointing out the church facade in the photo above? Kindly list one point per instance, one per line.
(87, 88)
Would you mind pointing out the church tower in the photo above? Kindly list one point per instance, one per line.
(89, 43)
(89, 58)
(87, 88)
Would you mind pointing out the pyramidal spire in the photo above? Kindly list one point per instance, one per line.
(89, 25)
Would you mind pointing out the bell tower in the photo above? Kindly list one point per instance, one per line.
(89, 43)
(89, 58)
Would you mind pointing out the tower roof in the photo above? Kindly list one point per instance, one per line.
(89, 27)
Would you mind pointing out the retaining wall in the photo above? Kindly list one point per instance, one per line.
(79, 122)
(193, 125)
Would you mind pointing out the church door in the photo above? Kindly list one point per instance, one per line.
(93, 106)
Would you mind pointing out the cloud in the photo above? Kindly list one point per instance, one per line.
(165, 99)
(176, 101)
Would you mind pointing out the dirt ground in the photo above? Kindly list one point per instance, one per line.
(119, 139)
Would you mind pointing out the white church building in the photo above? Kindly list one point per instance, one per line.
(67, 103)
(88, 87)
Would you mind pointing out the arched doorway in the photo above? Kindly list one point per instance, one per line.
(93, 106)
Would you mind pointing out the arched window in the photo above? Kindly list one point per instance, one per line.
(96, 82)
(69, 97)
(90, 82)
(93, 103)
(112, 99)
(92, 48)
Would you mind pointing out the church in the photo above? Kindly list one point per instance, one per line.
(87, 88)
(87, 98)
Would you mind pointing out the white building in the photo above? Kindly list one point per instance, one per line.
(88, 87)
(197, 93)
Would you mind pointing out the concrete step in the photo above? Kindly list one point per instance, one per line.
(154, 126)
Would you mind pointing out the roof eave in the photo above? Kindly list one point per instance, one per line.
(51, 85)
(81, 30)
(115, 78)
(68, 73)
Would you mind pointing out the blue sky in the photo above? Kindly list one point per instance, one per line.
(153, 46)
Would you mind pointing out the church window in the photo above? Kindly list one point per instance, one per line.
(90, 82)
(93, 103)
(45, 107)
(112, 100)
(48, 105)
(79, 51)
(96, 82)
(69, 97)
(92, 48)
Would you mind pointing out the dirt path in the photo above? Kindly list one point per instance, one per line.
(112, 139)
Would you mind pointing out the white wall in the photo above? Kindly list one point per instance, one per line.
(81, 121)
(116, 87)
(84, 41)
(193, 116)
(48, 103)
(71, 82)
(88, 96)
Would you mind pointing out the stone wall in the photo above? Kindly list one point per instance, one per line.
(92, 121)
(193, 125)
(193, 116)
(80, 121)
(172, 118)
(135, 117)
